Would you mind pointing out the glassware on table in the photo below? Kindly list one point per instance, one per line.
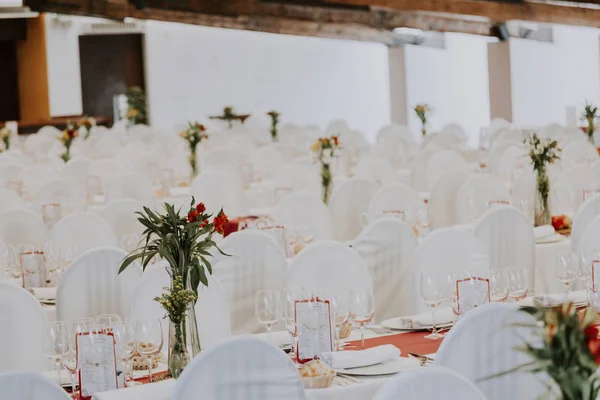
(517, 283)
(108, 321)
(33, 266)
(288, 297)
(586, 261)
(567, 269)
(432, 288)
(267, 308)
(51, 214)
(526, 206)
(423, 221)
(93, 354)
(124, 335)
(498, 285)
(362, 309)
(149, 341)
(340, 312)
(67, 253)
(9, 268)
(130, 242)
(78, 326)
(55, 342)
(52, 257)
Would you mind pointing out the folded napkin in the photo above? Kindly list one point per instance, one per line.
(442, 316)
(543, 232)
(361, 358)
(551, 300)
(44, 293)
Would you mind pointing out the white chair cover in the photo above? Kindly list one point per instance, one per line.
(106, 170)
(23, 322)
(590, 239)
(302, 209)
(396, 197)
(132, 185)
(14, 158)
(508, 237)
(441, 141)
(86, 230)
(218, 189)
(77, 168)
(374, 169)
(442, 199)
(568, 189)
(299, 178)
(347, 204)
(418, 172)
(319, 267)
(588, 211)
(29, 386)
(445, 161)
(34, 177)
(484, 343)
(224, 156)
(474, 197)
(429, 383)
(578, 152)
(241, 368)
(92, 286)
(59, 189)
(10, 200)
(266, 162)
(9, 173)
(454, 129)
(506, 136)
(387, 247)
(254, 261)
(22, 227)
(120, 215)
(523, 191)
(448, 250)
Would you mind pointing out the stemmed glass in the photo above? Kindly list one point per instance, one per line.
(517, 283)
(67, 254)
(340, 311)
(149, 341)
(567, 268)
(78, 326)
(267, 308)
(51, 254)
(130, 242)
(432, 293)
(56, 344)
(423, 222)
(586, 260)
(362, 310)
(289, 315)
(108, 320)
(498, 285)
(124, 335)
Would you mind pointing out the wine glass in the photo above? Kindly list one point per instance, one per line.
(498, 285)
(586, 259)
(288, 297)
(517, 283)
(130, 242)
(362, 309)
(149, 341)
(67, 254)
(56, 344)
(423, 222)
(107, 321)
(71, 359)
(567, 268)
(340, 311)
(51, 255)
(267, 308)
(432, 294)
(124, 335)
(93, 353)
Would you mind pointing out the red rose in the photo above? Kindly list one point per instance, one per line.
(200, 208)
(192, 216)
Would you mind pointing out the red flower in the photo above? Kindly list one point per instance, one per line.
(204, 223)
(592, 337)
(200, 208)
(220, 223)
(335, 140)
(193, 216)
(72, 133)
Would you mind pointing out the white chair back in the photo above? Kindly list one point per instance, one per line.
(578, 152)
(347, 204)
(29, 386)
(254, 261)
(132, 185)
(590, 240)
(396, 197)
(442, 199)
(418, 171)
(9, 173)
(23, 322)
(387, 247)
(567, 194)
(588, 211)
(266, 161)
(304, 210)
(10, 200)
(92, 286)
(77, 168)
(299, 178)
(122, 218)
(22, 226)
(106, 170)
(34, 177)
(218, 189)
(445, 161)
(224, 156)
(476, 196)
(241, 368)
(374, 169)
(85, 230)
(60, 189)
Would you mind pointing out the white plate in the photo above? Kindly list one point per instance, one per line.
(550, 239)
(401, 364)
(398, 325)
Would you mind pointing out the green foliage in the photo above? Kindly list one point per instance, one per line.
(274, 121)
(137, 111)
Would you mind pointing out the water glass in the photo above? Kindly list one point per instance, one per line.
(517, 283)
(288, 298)
(498, 285)
(149, 341)
(108, 321)
(55, 344)
(124, 335)
(67, 254)
(567, 268)
(433, 289)
(267, 308)
(362, 310)
(71, 359)
(340, 312)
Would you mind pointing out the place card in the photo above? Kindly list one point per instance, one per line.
(97, 362)
(472, 292)
(313, 328)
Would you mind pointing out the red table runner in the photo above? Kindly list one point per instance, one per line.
(413, 342)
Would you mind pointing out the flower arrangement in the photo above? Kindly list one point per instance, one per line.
(136, 106)
(194, 134)
(67, 138)
(229, 116)
(422, 110)
(274, 121)
(184, 241)
(569, 350)
(5, 137)
(541, 153)
(561, 223)
(590, 114)
(86, 123)
(325, 150)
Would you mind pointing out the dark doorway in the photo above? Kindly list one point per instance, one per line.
(109, 65)
(9, 77)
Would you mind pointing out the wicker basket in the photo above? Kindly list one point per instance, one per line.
(345, 330)
(318, 382)
(140, 363)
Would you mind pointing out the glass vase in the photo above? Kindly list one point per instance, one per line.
(542, 211)
(193, 163)
(326, 180)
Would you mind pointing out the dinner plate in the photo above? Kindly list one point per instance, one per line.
(398, 325)
(550, 239)
(401, 364)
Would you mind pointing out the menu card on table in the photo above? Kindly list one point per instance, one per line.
(472, 292)
(313, 326)
(97, 363)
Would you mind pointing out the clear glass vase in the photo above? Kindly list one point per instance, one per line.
(193, 163)
(542, 210)
(326, 180)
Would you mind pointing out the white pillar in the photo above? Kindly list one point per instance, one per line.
(398, 101)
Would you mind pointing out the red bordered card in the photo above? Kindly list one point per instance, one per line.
(478, 280)
(109, 366)
(307, 349)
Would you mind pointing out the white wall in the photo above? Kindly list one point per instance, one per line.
(194, 71)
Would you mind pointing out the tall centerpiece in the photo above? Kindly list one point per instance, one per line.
(326, 149)
(5, 137)
(274, 121)
(137, 112)
(87, 123)
(67, 138)
(422, 111)
(590, 114)
(229, 116)
(193, 135)
(184, 241)
(542, 152)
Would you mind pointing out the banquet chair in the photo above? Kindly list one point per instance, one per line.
(150, 164)
(508, 236)
(476, 195)
(77, 168)
(442, 198)
(29, 386)
(347, 204)
(444, 161)
(14, 157)
(511, 158)
(396, 197)
(299, 178)
(595, 172)
(241, 368)
(429, 383)
(122, 218)
(578, 152)
(506, 136)
(131, 185)
(395, 133)
(302, 212)
(590, 240)
(387, 247)
(91, 285)
(108, 145)
(320, 266)
(10, 200)
(224, 156)
(22, 226)
(497, 124)
(23, 322)
(454, 129)
(588, 212)
(442, 141)
(85, 230)
(39, 144)
(218, 189)
(9, 173)
(35, 176)
(374, 169)
(567, 193)
(59, 189)
(254, 261)
(49, 131)
(288, 151)
(106, 170)
(266, 161)
(448, 250)
(418, 171)
(523, 190)
(485, 342)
